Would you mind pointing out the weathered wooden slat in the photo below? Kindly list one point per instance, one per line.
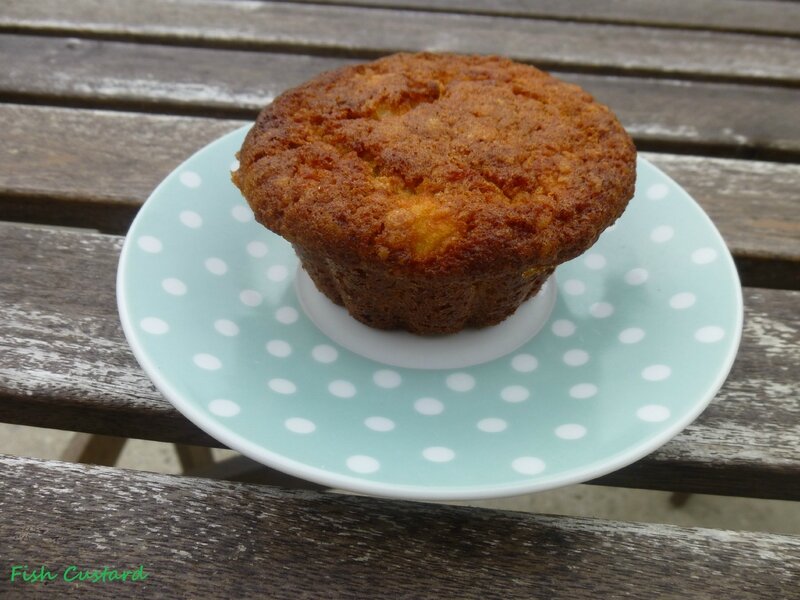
(65, 364)
(747, 200)
(739, 120)
(151, 77)
(91, 168)
(776, 18)
(201, 538)
(94, 168)
(356, 31)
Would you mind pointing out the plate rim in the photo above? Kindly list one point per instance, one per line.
(217, 430)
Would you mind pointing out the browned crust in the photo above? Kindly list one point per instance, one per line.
(493, 165)
(415, 303)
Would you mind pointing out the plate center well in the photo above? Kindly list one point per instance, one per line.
(402, 349)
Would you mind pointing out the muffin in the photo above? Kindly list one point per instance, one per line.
(433, 192)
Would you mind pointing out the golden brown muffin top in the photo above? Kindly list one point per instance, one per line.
(438, 163)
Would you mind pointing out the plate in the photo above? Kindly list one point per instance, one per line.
(634, 339)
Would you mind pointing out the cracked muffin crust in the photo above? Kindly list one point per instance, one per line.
(435, 191)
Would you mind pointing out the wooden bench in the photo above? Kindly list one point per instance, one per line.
(100, 100)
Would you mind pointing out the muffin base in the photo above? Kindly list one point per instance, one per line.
(417, 304)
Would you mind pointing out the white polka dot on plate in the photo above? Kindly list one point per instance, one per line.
(282, 386)
(570, 431)
(250, 298)
(223, 407)
(574, 287)
(709, 334)
(234, 166)
(191, 219)
(662, 233)
(528, 465)
(438, 454)
(216, 266)
(150, 244)
(324, 354)
(657, 191)
(341, 388)
(381, 424)
(257, 249)
(362, 464)
(595, 261)
(524, 363)
(387, 378)
(279, 348)
(154, 325)
(226, 327)
(492, 425)
(428, 406)
(299, 425)
(174, 286)
(653, 413)
(582, 391)
(601, 310)
(636, 276)
(631, 335)
(277, 273)
(656, 373)
(209, 362)
(682, 300)
(515, 393)
(242, 213)
(190, 179)
(563, 328)
(575, 357)
(703, 256)
(460, 382)
(286, 315)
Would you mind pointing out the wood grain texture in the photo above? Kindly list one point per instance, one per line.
(65, 364)
(749, 201)
(355, 31)
(151, 77)
(776, 18)
(91, 168)
(94, 168)
(737, 120)
(201, 538)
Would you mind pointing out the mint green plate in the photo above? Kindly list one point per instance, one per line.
(639, 337)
